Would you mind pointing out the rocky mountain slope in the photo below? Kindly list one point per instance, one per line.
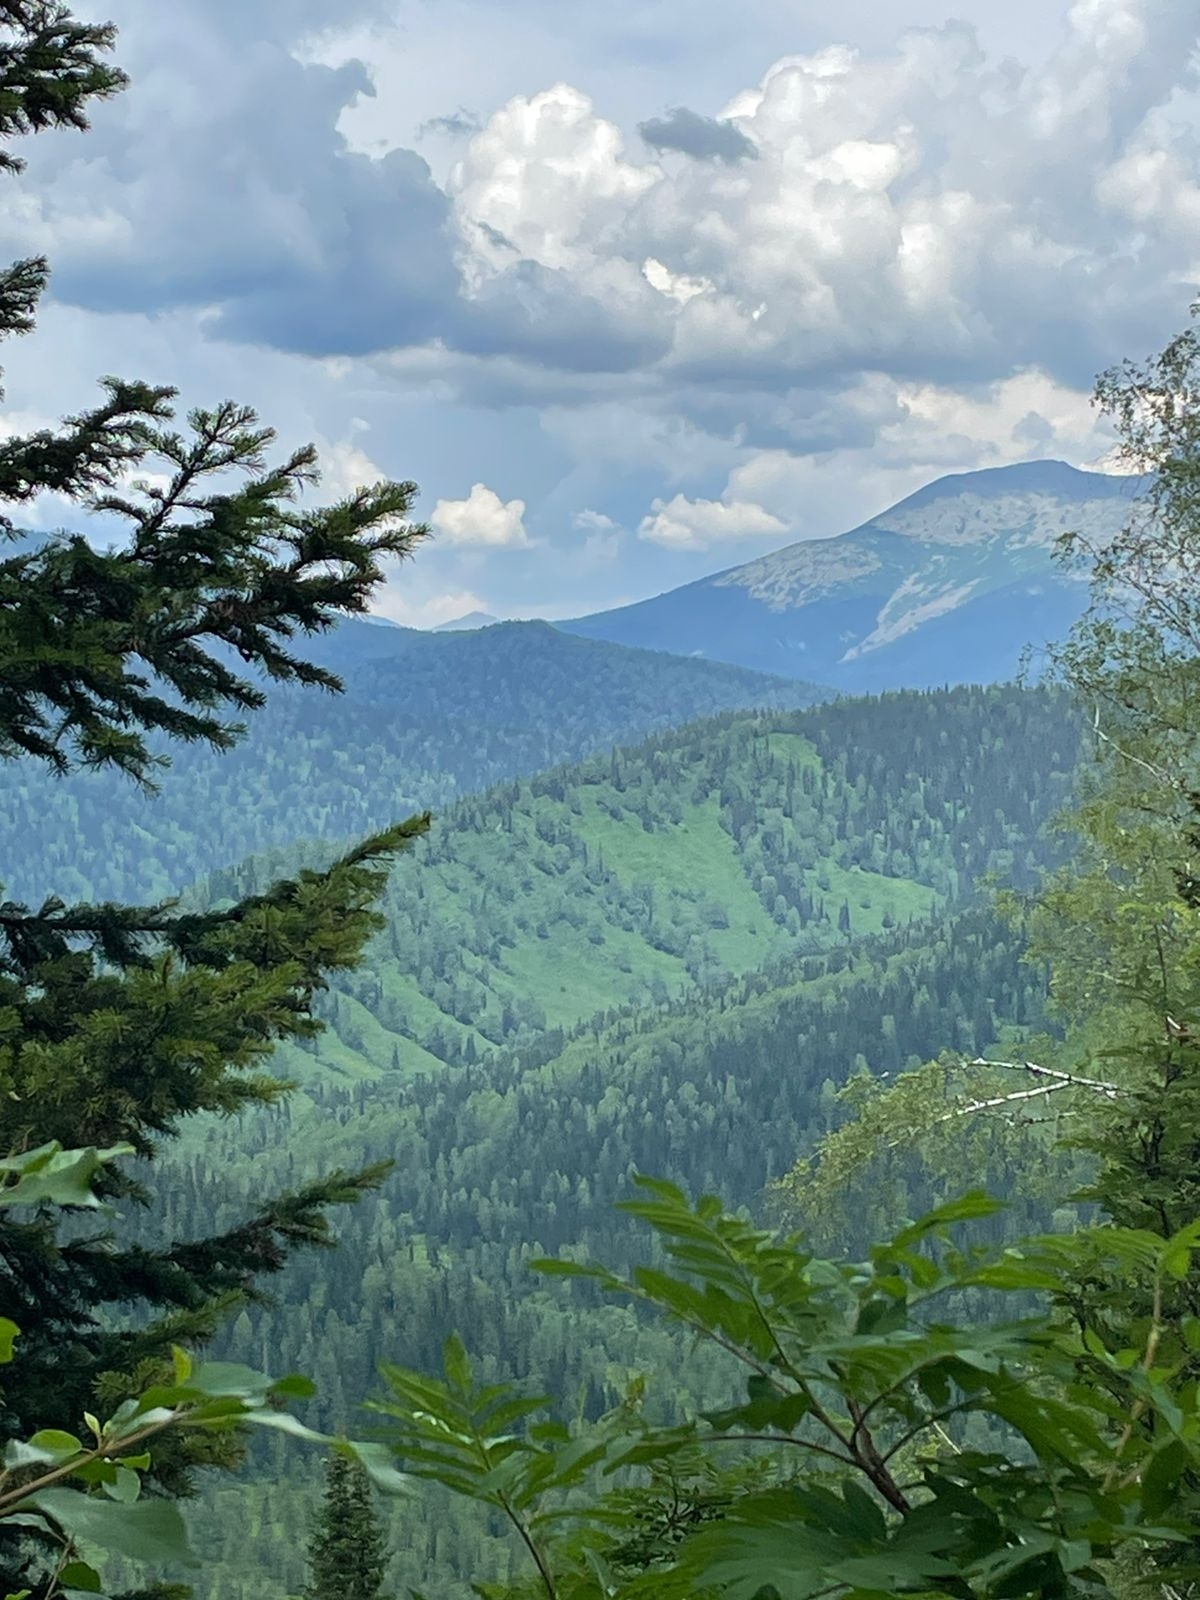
(949, 586)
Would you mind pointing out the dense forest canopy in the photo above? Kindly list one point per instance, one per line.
(418, 726)
(756, 956)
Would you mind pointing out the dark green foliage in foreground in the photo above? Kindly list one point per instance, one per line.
(117, 1021)
(869, 1406)
(347, 1557)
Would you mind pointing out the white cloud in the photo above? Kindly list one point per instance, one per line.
(941, 237)
(481, 519)
(673, 284)
(594, 521)
(603, 538)
(908, 208)
(430, 610)
(543, 180)
(683, 524)
(345, 467)
(1026, 415)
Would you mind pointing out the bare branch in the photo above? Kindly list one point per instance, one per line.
(1052, 1082)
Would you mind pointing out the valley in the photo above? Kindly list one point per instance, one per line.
(667, 959)
(695, 1096)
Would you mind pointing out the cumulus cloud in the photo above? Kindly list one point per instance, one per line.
(345, 466)
(683, 524)
(481, 519)
(703, 138)
(603, 537)
(431, 610)
(932, 251)
(923, 210)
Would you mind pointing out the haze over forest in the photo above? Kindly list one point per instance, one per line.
(599, 902)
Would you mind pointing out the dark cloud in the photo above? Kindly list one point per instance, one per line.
(702, 138)
(540, 315)
(245, 201)
(220, 181)
(458, 124)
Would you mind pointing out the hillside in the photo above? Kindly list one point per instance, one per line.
(706, 853)
(417, 728)
(949, 586)
(528, 1031)
(718, 1092)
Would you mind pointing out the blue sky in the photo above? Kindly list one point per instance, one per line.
(634, 293)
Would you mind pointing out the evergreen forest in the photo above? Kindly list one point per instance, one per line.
(502, 1114)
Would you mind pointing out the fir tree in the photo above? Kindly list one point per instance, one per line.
(347, 1554)
(116, 1022)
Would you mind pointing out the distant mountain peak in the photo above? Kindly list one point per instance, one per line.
(947, 586)
(464, 624)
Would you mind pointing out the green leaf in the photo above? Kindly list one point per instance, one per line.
(1160, 1480)
(78, 1575)
(380, 1465)
(125, 1487)
(50, 1447)
(229, 1379)
(456, 1363)
(9, 1332)
(51, 1175)
(967, 1208)
(1177, 1252)
(294, 1387)
(148, 1531)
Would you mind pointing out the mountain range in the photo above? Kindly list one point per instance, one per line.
(425, 718)
(949, 586)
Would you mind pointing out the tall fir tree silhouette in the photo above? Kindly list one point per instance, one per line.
(347, 1554)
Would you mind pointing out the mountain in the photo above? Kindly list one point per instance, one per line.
(463, 624)
(701, 855)
(527, 1032)
(426, 718)
(949, 586)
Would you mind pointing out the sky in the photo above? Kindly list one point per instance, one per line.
(634, 293)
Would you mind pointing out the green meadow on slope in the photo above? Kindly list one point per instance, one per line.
(665, 959)
(416, 727)
(709, 852)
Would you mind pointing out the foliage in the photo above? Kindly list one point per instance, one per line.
(864, 1399)
(118, 1021)
(347, 1554)
(1117, 927)
(417, 727)
(707, 853)
(72, 1492)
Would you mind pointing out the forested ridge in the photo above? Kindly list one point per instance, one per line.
(708, 851)
(629, 1204)
(516, 1145)
(425, 719)
(668, 958)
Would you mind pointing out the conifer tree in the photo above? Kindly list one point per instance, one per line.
(347, 1554)
(183, 593)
